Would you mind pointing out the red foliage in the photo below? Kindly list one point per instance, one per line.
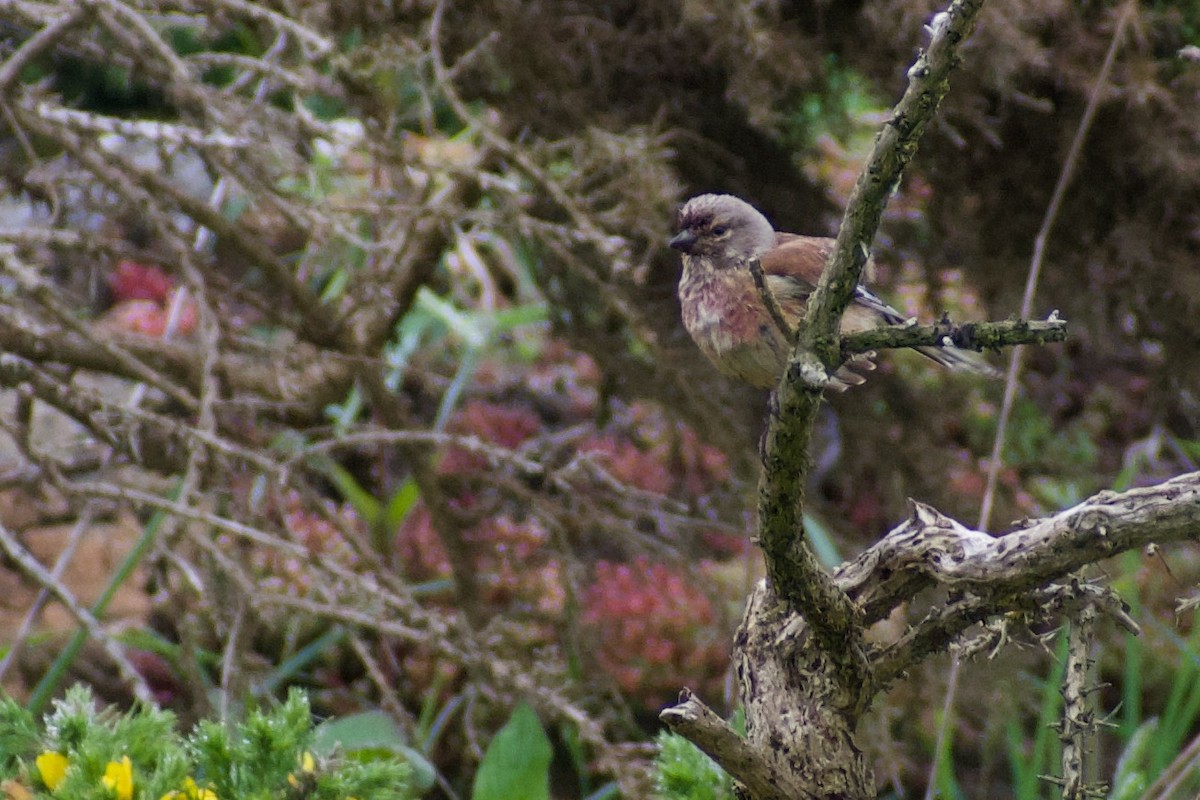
(567, 374)
(496, 424)
(322, 534)
(722, 543)
(658, 455)
(629, 463)
(701, 466)
(514, 566)
(149, 318)
(133, 281)
(420, 550)
(653, 631)
(136, 316)
(143, 295)
(160, 676)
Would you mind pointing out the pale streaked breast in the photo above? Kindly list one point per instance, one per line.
(726, 318)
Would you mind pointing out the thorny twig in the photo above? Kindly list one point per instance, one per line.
(995, 461)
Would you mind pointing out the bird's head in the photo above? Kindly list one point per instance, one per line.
(724, 228)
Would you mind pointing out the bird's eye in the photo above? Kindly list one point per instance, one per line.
(720, 230)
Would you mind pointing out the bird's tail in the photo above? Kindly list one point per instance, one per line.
(850, 373)
(947, 356)
(960, 360)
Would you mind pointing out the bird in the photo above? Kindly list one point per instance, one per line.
(724, 311)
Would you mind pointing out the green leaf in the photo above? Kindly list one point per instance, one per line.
(822, 541)
(606, 792)
(464, 324)
(1129, 786)
(336, 285)
(684, 772)
(516, 765)
(235, 208)
(401, 503)
(345, 414)
(363, 503)
(507, 319)
(369, 736)
(296, 664)
(462, 376)
(366, 731)
(1130, 778)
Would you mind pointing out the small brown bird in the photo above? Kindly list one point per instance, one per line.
(724, 312)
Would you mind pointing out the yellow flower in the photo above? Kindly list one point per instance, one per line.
(190, 791)
(194, 792)
(308, 765)
(118, 778)
(52, 767)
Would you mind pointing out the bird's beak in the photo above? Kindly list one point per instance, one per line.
(683, 241)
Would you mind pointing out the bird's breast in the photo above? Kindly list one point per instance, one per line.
(724, 314)
(714, 302)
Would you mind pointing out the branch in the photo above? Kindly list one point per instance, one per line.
(154, 190)
(1078, 719)
(48, 37)
(702, 726)
(768, 299)
(928, 82)
(1001, 574)
(29, 564)
(153, 440)
(795, 574)
(302, 376)
(967, 336)
(930, 546)
(47, 295)
(945, 625)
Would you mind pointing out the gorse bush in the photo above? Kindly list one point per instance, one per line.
(80, 752)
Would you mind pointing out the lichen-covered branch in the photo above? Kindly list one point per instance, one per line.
(712, 734)
(966, 336)
(1078, 719)
(992, 576)
(795, 575)
(996, 575)
(930, 548)
(946, 626)
(928, 82)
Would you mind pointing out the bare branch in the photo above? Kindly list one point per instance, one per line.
(44, 578)
(928, 82)
(768, 299)
(967, 336)
(29, 280)
(705, 728)
(931, 548)
(795, 573)
(301, 377)
(1078, 717)
(40, 42)
(944, 626)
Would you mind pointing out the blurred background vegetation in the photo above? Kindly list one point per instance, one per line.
(356, 365)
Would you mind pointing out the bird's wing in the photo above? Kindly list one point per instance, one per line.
(798, 262)
(797, 258)
(887, 315)
(794, 266)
